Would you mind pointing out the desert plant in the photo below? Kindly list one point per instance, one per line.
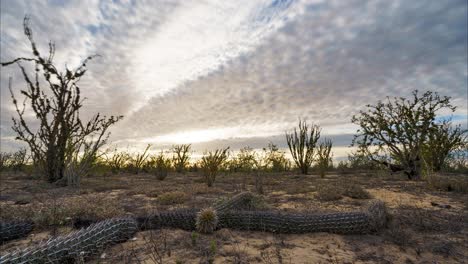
(400, 129)
(181, 156)
(5, 158)
(324, 157)
(444, 139)
(275, 160)
(117, 160)
(457, 160)
(138, 161)
(75, 246)
(211, 163)
(206, 221)
(15, 161)
(244, 161)
(160, 165)
(302, 142)
(61, 130)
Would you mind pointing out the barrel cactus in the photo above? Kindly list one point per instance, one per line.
(76, 245)
(207, 220)
(14, 229)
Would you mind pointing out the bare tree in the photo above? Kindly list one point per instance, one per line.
(399, 129)
(302, 145)
(61, 133)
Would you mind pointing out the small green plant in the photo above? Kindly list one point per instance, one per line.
(211, 164)
(212, 251)
(194, 237)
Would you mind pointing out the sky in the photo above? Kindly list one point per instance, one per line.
(240, 73)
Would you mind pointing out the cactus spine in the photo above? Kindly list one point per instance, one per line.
(76, 245)
(14, 229)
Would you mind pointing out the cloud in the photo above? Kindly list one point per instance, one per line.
(240, 73)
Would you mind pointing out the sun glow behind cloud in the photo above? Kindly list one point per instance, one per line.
(199, 38)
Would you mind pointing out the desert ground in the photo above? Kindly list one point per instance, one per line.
(426, 225)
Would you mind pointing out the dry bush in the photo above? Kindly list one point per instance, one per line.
(181, 157)
(171, 198)
(116, 160)
(328, 193)
(159, 165)
(137, 162)
(355, 191)
(211, 164)
(58, 212)
(456, 183)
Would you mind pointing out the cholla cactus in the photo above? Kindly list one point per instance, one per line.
(14, 229)
(76, 245)
(241, 201)
(359, 222)
(207, 220)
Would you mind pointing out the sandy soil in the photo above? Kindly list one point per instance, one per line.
(427, 226)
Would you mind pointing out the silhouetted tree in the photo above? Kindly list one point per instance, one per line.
(61, 133)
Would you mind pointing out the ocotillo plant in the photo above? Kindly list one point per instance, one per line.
(302, 145)
(211, 164)
(324, 158)
(181, 157)
(138, 160)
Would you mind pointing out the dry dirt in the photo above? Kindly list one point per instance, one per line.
(418, 231)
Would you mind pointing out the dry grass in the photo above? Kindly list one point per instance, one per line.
(417, 232)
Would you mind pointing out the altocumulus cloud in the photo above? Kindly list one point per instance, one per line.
(221, 73)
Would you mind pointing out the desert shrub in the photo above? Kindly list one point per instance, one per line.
(138, 160)
(456, 183)
(244, 161)
(457, 161)
(160, 166)
(355, 191)
(328, 192)
(15, 161)
(302, 143)
(170, 198)
(324, 157)
(211, 163)
(181, 156)
(4, 160)
(116, 160)
(274, 159)
(58, 212)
